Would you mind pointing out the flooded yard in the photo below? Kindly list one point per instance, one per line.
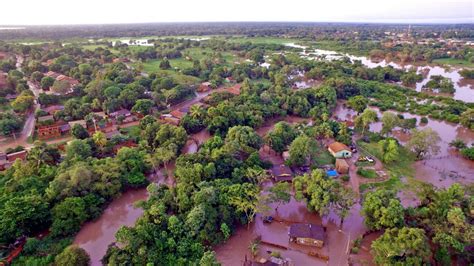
(443, 169)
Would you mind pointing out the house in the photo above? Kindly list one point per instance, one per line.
(307, 234)
(52, 74)
(205, 86)
(282, 173)
(342, 166)
(339, 150)
(49, 131)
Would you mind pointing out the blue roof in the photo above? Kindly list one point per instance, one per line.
(331, 173)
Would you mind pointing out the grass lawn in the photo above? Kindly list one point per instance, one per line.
(133, 131)
(402, 167)
(453, 62)
(323, 157)
(262, 40)
(393, 183)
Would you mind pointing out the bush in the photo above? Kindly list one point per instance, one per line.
(355, 250)
(345, 178)
(424, 120)
(468, 153)
(367, 173)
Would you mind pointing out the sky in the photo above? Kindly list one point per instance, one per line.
(50, 12)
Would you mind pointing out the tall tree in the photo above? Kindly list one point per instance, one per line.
(424, 142)
(405, 246)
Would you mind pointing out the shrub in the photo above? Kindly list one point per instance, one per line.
(345, 178)
(367, 173)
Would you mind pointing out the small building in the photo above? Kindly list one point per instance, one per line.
(17, 155)
(53, 109)
(282, 173)
(46, 118)
(178, 114)
(307, 234)
(49, 131)
(205, 86)
(83, 123)
(169, 119)
(52, 74)
(339, 150)
(342, 166)
(121, 112)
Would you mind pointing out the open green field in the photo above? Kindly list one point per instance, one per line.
(262, 40)
(453, 62)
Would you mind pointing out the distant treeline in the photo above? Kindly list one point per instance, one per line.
(309, 30)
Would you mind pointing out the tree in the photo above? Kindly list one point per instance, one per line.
(390, 150)
(245, 198)
(424, 142)
(281, 136)
(165, 154)
(143, 106)
(243, 140)
(61, 86)
(47, 82)
(100, 139)
(165, 64)
(78, 150)
(358, 103)
(389, 122)
(23, 103)
(405, 246)
(382, 209)
(363, 121)
(68, 216)
(72, 256)
(22, 214)
(343, 200)
(302, 150)
(209, 259)
(9, 123)
(316, 189)
(280, 193)
(79, 132)
(467, 118)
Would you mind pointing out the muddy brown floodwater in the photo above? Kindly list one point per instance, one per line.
(235, 250)
(95, 236)
(443, 169)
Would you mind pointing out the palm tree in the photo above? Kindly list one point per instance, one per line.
(196, 111)
(99, 139)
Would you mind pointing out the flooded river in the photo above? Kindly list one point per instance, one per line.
(464, 87)
(95, 236)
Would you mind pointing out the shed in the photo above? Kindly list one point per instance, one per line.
(307, 234)
(342, 166)
(282, 173)
(339, 150)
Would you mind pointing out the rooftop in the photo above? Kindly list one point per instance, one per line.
(337, 147)
(307, 231)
